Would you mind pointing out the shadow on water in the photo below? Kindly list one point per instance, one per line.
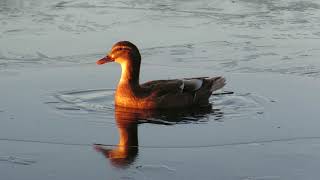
(128, 120)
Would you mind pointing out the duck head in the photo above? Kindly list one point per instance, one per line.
(122, 52)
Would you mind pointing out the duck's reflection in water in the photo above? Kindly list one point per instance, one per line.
(127, 120)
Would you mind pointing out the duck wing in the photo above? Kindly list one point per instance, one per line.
(182, 92)
(162, 87)
(186, 85)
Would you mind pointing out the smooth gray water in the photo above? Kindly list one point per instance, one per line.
(56, 104)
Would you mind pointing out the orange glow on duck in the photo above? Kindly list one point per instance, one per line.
(159, 94)
(105, 60)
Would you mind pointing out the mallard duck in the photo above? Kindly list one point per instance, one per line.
(158, 94)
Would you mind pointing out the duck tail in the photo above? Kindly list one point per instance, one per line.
(217, 83)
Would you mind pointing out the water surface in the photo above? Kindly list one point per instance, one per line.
(58, 120)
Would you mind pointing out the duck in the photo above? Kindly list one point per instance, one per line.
(156, 94)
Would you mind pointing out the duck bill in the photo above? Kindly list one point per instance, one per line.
(104, 60)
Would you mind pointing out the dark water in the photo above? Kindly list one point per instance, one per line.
(58, 120)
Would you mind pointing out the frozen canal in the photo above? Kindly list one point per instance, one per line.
(56, 104)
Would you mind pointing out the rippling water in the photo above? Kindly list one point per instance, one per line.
(238, 36)
(56, 106)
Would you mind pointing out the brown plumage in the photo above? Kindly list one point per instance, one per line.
(159, 94)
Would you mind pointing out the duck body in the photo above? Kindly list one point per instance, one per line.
(162, 94)
(159, 94)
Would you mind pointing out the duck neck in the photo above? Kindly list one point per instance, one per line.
(130, 74)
